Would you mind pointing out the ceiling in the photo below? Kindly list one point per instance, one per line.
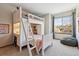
(44, 8)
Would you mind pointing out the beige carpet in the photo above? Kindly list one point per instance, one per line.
(58, 49)
(14, 51)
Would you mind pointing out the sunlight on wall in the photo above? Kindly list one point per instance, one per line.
(16, 28)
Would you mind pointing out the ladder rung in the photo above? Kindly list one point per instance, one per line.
(29, 39)
(33, 47)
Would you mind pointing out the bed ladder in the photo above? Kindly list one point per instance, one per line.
(31, 43)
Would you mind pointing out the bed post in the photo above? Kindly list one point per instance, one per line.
(42, 46)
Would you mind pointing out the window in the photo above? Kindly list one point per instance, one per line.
(63, 24)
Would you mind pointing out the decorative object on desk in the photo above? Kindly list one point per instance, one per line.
(34, 29)
(16, 27)
(4, 28)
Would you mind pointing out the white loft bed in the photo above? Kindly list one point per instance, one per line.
(18, 15)
(22, 41)
(47, 39)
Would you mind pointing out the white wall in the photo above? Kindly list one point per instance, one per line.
(48, 23)
(77, 18)
(5, 18)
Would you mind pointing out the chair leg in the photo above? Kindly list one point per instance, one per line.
(42, 52)
(20, 48)
(37, 50)
(29, 50)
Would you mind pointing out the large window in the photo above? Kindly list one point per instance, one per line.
(63, 24)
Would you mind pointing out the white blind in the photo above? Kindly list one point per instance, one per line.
(67, 13)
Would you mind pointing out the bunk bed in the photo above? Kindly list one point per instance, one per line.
(42, 41)
(20, 22)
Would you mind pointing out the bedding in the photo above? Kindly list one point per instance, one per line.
(39, 44)
(43, 41)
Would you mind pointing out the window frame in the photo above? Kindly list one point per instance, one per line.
(62, 24)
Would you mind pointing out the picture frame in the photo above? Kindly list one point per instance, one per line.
(4, 28)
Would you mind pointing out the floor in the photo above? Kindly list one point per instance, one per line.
(11, 50)
(61, 36)
(58, 49)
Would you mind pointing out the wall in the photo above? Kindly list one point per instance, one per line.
(48, 23)
(77, 18)
(39, 29)
(5, 18)
(61, 36)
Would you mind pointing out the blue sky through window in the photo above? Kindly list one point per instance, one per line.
(67, 20)
(58, 21)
